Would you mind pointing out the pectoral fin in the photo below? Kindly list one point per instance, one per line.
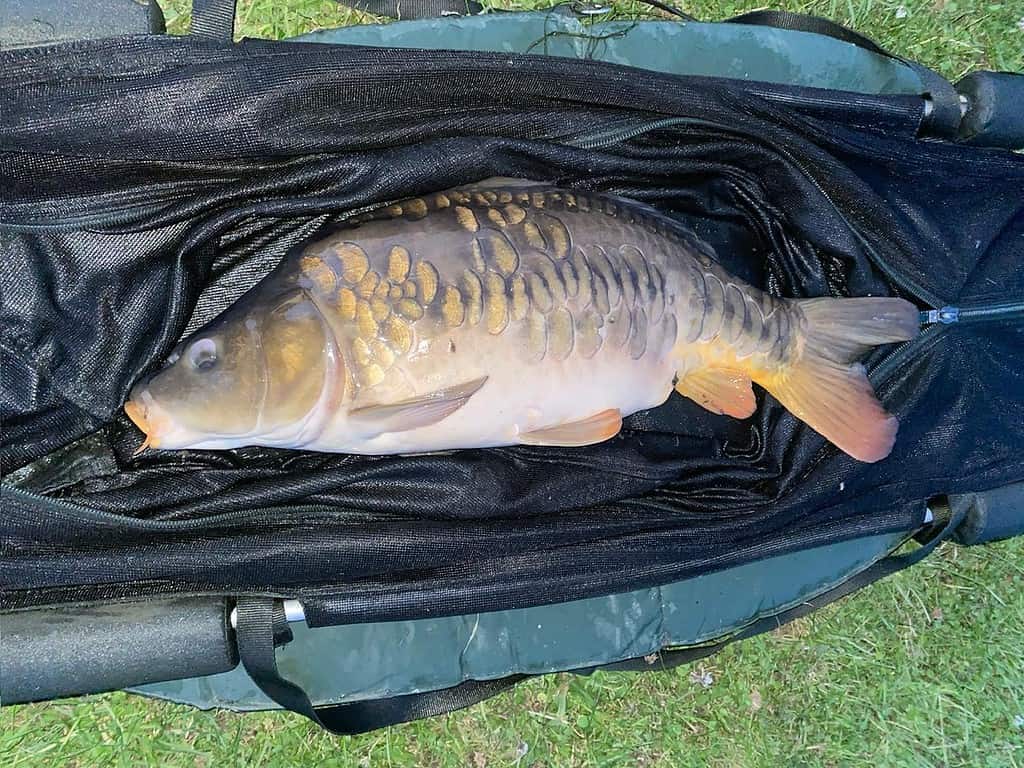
(593, 429)
(719, 390)
(414, 413)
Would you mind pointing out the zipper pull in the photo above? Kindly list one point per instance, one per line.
(946, 316)
(981, 313)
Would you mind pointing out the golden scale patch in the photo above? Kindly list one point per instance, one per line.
(522, 268)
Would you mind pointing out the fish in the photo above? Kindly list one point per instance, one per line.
(510, 313)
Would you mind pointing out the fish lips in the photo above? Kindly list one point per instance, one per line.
(163, 432)
(149, 417)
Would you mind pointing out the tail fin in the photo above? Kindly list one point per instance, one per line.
(825, 387)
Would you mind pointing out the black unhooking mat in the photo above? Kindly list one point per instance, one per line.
(145, 183)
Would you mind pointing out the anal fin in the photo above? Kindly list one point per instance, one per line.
(416, 412)
(720, 390)
(593, 429)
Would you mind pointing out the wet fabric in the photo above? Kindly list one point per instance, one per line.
(146, 183)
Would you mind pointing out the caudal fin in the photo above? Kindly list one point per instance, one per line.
(827, 389)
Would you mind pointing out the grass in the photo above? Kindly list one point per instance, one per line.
(923, 669)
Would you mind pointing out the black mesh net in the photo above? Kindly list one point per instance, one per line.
(145, 183)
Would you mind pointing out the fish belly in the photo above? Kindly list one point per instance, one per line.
(516, 400)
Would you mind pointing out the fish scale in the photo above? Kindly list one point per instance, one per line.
(513, 313)
(534, 252)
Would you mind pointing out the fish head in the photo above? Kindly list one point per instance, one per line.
(263, 373)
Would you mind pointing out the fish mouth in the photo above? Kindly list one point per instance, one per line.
(148, 417)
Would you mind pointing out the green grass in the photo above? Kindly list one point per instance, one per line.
(923, 669)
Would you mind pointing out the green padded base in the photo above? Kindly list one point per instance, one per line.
(369, 661)
(738, 51)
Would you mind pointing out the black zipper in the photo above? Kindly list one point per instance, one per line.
(982, 313)
(610, 136)
(99, 516)
(110, 217)
(142, 215)
(935, 321)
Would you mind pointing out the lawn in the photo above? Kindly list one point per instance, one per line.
(923, 669)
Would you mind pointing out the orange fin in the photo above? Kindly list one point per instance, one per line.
(720, 390)
(593, 429)
(837, 402)
(415, 413)
(826, 389)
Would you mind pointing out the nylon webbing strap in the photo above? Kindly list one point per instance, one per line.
(214, 19)
(416, 9)
(257, 624)
(799, 22)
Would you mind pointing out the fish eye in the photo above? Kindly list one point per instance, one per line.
(203, 354)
